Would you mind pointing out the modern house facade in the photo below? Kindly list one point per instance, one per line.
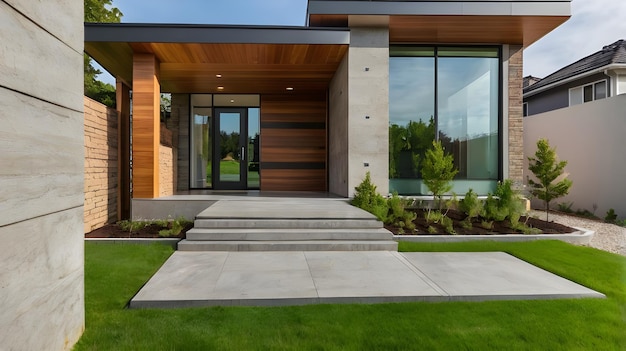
(364, 86)
(595, 77)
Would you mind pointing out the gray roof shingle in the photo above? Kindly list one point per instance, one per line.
(610, 54)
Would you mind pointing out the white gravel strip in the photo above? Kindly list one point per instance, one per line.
(608, 237)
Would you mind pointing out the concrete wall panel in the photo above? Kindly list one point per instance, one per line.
(41, 177)
(338, 131)
(58, 17)
(590, 137)
(42, 282)
(368, 115)
(38, 64)
(42, 158)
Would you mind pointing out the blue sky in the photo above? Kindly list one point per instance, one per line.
(594, 24)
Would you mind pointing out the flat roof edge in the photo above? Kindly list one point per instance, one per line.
(214, 34)
(440, 8)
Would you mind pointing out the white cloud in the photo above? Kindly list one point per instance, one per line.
(594, 24)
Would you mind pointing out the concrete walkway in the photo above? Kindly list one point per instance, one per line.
(308, 277)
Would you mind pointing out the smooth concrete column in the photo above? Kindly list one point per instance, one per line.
(368, 109)
(122, 93)
(146, 126)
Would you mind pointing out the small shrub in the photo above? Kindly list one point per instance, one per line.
(471, 205)
(611, 216)
(447, 224)
(466, 223)
(547, 170)
(566, 207)
(367, 198)
(398, 215)
(432, 230)
(491, 211)
(438, 170)
(132, 226)
(433, 216)
(510, 201)
(173, 228)
(488, 225)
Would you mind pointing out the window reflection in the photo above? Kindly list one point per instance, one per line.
(446, 93)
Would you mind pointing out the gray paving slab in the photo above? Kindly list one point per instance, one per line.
(284, 209)
(493, 275)
(297, 277)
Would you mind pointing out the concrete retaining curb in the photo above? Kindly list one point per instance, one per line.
(173, 242)
(580, 237)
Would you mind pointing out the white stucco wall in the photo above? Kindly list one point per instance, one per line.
(41, 177)
(591, 138)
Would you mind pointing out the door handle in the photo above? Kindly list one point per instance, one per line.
(243, 153)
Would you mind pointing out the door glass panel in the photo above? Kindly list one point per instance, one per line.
(201, 148)
(230, 151)
(253, 147)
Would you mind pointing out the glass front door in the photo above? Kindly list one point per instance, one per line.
(230, 166)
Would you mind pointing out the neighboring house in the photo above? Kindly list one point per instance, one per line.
(580, 110)
(365, 86)
(597, 76)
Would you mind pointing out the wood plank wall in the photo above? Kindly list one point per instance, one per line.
(293, 142)
(146, 126)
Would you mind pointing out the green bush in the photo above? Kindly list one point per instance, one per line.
(438, 171)
(471, 205)
(611, 216)
(367, 198)
(398, 215)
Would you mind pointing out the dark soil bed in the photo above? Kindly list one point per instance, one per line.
(503, 227)
(114, 231)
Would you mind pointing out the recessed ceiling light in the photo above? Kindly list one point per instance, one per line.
(289, 89)
(218, 75)
(232, 101)
(220, 88)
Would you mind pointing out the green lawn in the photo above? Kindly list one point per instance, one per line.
(113, 273)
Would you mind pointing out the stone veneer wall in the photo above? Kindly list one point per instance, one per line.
(101, 155)
(42, 174)
(515, 121)
(167, 176)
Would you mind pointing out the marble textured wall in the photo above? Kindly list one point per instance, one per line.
(41, 177)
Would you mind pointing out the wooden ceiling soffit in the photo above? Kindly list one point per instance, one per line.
(115, 57)
(472, 29)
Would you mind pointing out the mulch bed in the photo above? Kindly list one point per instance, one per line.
(502, 227)
(114, 231)
(152, 231)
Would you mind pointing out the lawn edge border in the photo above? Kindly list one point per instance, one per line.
(173, 242)
(580, 237)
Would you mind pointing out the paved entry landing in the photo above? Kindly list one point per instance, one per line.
(308, 277)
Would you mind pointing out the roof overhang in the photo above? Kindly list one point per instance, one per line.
(435, 21)
(608, 69)
(250, 59)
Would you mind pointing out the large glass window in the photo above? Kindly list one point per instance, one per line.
(451, 94)
(201, 151)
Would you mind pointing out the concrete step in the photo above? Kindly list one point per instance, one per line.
(289, 234)
(284, 245)
(288, 223)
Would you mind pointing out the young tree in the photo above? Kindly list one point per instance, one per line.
(438, 170)
(99, 11)
(548, 171)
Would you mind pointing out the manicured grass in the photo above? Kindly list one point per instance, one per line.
(113, 273)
